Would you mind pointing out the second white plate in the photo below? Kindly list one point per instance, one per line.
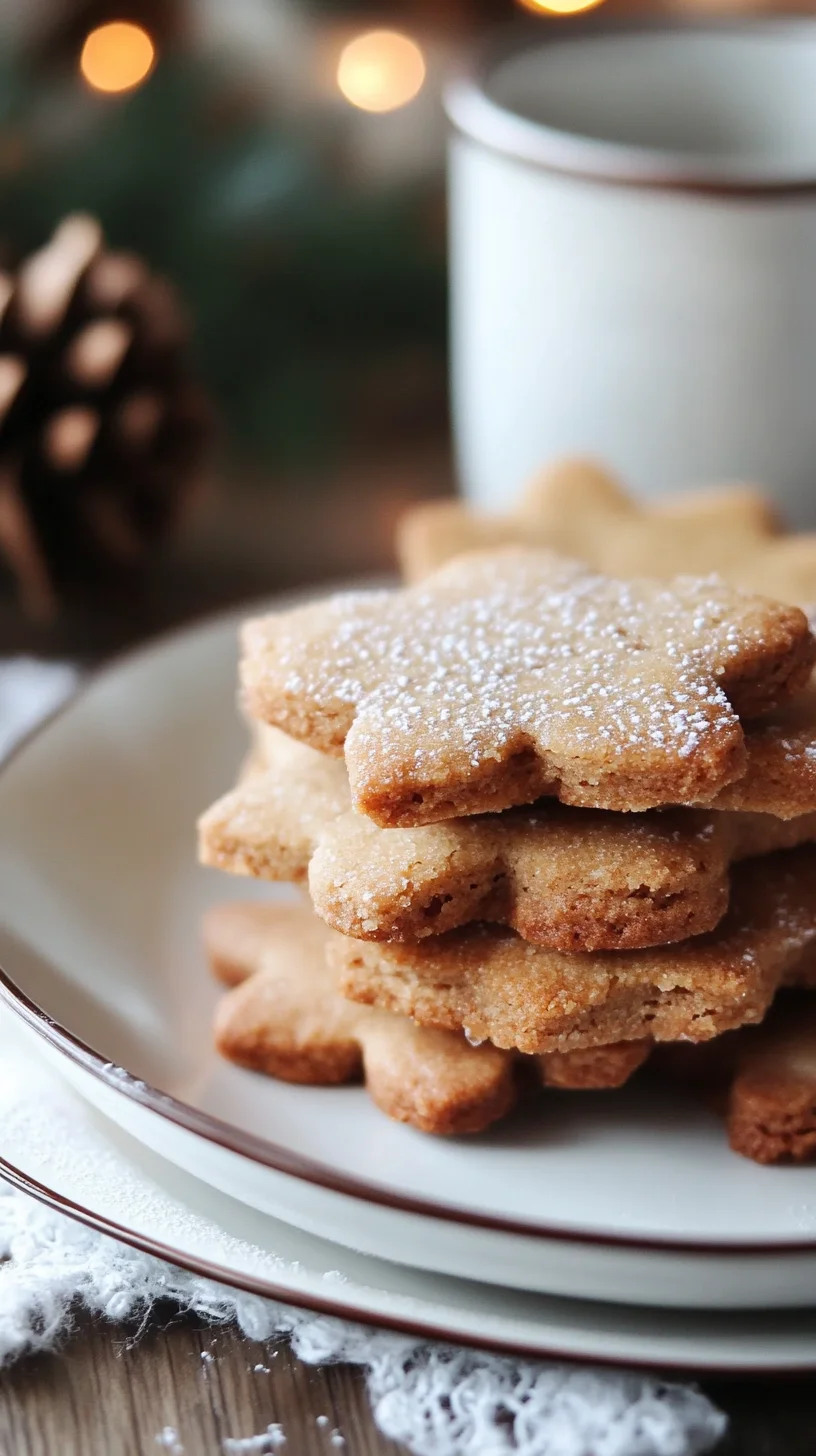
(54, 1146)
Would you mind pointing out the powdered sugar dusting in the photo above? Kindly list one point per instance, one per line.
(522, 650)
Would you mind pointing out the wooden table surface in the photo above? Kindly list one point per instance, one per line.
(110, 1392)
(107, 1393)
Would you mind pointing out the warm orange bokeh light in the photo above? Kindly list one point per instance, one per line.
(380, 70)
(561, 7)
(117, 56)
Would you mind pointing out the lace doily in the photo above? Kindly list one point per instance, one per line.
(437, 1399)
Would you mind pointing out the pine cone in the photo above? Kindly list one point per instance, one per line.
(102, 430)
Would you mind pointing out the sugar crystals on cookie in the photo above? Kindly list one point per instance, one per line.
(572, 879)
(285, 1017)
(496, 986)
(518, 674)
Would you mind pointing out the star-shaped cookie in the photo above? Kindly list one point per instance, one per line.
(578, 507)
(513, 675)
(496, 986)
(571, 879)
(284, 1016)
(780, 775)
(771, 1112)
(761, 1078)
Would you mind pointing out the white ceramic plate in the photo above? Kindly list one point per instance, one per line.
(617, 1197)
(86, 1166)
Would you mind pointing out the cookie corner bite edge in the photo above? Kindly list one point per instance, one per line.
(284, 1017)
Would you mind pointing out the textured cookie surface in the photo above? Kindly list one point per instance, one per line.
(771, 1113)
(269, 825)
(572, 879)
(761, 1079)
(780, 775)
(237, 935)
(514, 675)
(284, 1017)
(493, 985)
(595, 1068)
(578, 508)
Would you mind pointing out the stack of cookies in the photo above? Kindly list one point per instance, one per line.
(549, 819)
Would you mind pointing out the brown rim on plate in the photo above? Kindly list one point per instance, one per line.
(477, 117)
(263, 1151)
(269, 1290)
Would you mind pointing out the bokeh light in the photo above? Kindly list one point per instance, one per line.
(561, 7)
(117, 56)
(380, 70)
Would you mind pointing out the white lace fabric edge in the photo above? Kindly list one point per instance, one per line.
(439, 1400)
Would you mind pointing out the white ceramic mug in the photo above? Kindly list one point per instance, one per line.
(633, 257)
